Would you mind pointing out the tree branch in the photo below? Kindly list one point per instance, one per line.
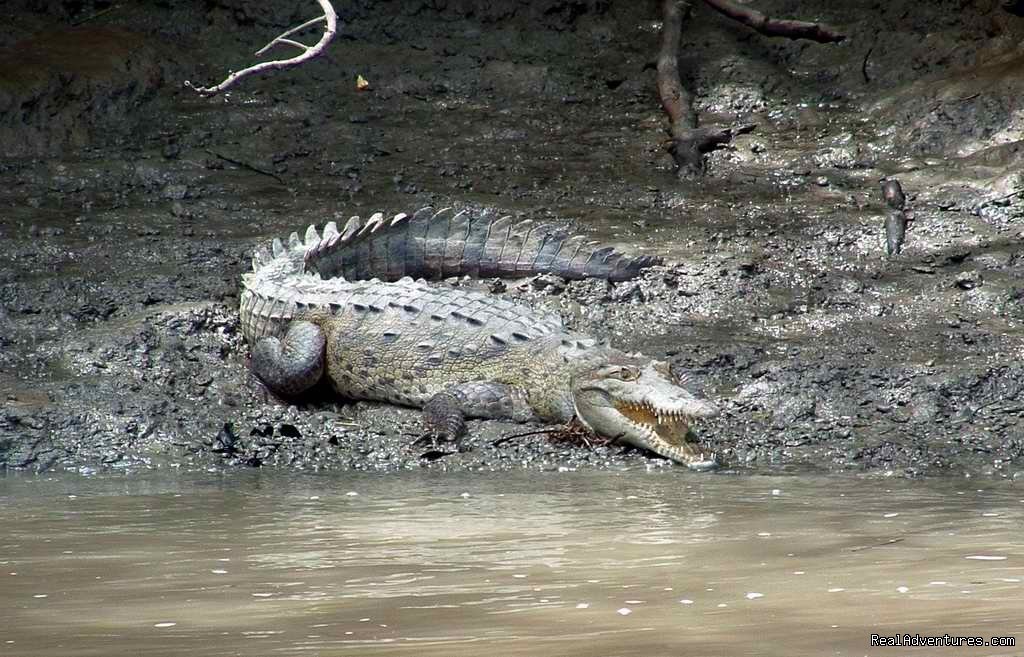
(687, 143)
(675, 100)
(330, 18)
(776, 26)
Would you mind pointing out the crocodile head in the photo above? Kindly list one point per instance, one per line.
(639, 402)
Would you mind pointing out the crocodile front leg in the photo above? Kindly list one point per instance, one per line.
(291, 366)
(444, 415)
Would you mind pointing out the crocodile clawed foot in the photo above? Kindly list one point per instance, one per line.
(431, 439)
(436, 444)
(443, 419)
(436, 440)
(425, 439)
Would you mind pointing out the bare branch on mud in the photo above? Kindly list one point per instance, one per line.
(329, 17)
(92, 17)
(574, 432)
(687, 143)
(776, 26)
(246, 165)
(675, 100)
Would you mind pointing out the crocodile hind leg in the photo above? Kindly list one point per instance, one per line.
(444, 415)
(292, 365)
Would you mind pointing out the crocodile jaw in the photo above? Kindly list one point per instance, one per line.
(642, 405)
(664, 432)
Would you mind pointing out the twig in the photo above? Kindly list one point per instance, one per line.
(93, 17)
(776, 26)
(308, 52)
(505, 439)
(246, 165)
(864, 66)
(294, 30)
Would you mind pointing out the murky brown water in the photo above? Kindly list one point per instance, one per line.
(630, 563)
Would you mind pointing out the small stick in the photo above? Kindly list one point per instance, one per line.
(93, 17)
(864, 66)
(776, 26)
(246, 165)
(308, 52)
(284, 37)
(505, 439)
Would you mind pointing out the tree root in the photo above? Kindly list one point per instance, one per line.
(687, 142)
(688, 149)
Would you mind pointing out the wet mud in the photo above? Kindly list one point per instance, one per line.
(129, 207)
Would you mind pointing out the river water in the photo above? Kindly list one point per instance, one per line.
(612, 563)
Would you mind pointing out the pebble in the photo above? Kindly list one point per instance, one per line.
(892, 194)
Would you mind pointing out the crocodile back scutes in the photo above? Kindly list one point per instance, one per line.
(478, 243)
(280, 289)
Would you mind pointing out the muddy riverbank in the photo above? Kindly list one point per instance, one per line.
(129, 208)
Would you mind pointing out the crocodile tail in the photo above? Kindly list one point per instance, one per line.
(438, 244)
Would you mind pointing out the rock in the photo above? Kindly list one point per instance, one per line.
(548, 283)
(175, 192)
(968, 280)
(892, 194)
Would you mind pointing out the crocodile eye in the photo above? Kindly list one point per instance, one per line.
(628, 373)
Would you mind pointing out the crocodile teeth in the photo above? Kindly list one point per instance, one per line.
(330, 230)
(312, 237)
(277, 246)
(401, 216)
(294, 242)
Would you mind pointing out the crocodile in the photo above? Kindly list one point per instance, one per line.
(355, 306)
